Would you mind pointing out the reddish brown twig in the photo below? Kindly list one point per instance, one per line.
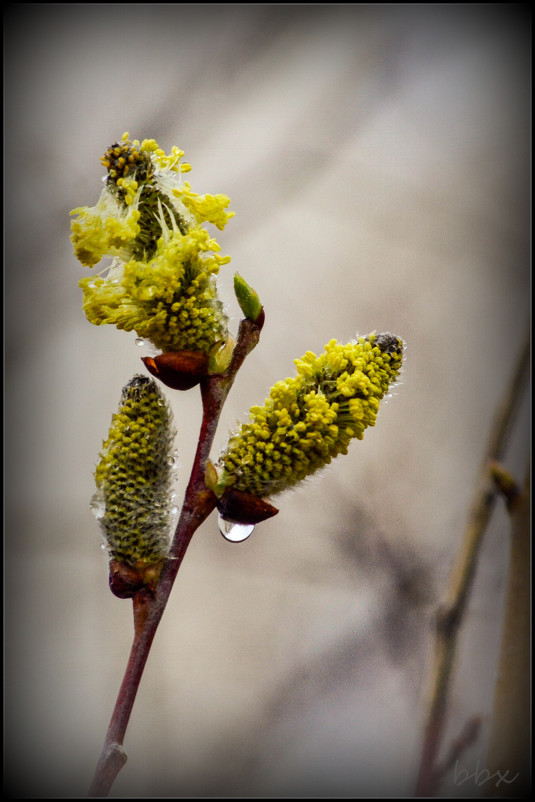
(199, 502)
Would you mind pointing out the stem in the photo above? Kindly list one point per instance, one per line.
(199, 502)
(509, 744)
(451, 613)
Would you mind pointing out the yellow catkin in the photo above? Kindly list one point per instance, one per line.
(161, 282)
(309, 419)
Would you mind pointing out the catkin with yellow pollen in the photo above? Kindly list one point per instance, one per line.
(308, 420)
(162, 280)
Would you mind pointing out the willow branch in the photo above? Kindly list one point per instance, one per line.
(509, 745)
(451, 613)
(199, 502)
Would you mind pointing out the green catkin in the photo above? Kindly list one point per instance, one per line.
(134, 476)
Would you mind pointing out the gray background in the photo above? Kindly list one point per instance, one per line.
(377, 159)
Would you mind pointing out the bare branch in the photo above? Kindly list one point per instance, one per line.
(451, 612)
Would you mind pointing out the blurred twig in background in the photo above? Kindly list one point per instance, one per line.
(451, 613)
(509, 748)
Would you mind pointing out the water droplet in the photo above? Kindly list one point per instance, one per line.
(140, 341)
(98, 505)
(174, 510)
(233, 531)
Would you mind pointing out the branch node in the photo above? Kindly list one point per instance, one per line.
(505, 484)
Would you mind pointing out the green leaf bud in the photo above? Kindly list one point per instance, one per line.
(308, 420)
(134, 478)
(247, 298)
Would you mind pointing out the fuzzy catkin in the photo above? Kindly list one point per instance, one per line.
(134, 476)
(308, 420)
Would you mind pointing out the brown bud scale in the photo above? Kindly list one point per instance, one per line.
(180, 370)
(126, 581)
(244, 508)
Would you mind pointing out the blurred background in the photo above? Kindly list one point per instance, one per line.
(377, 158)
